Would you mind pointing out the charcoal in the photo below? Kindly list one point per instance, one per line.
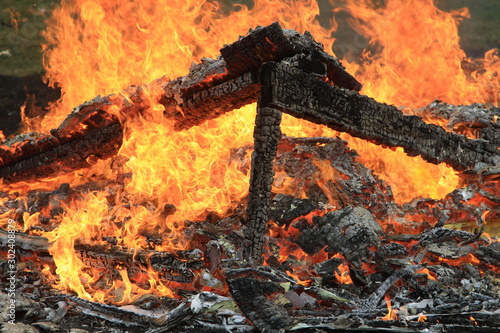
(477, 119)
(249, 294)
(449, 250)
(489, 254)
(266, 136)
(391, 250)
(284, 208)
(327, 171)
(349, 231)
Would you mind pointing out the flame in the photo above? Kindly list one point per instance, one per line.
(430, 275)
(391, 313)
(100, 47)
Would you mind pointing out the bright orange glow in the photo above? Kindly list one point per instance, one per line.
(100, 47)
(430, 275)
(391, 313)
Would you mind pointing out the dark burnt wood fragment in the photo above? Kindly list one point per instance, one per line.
(249, 294)
(272, 43)
(208, 99)
(476, 119)
(170, 267)
(284, 208)
(260, 45)
(301, 95)
(348, 231)
(266, 135)
(99, 143)
(488, 255)
(377, 296)
(346, 183)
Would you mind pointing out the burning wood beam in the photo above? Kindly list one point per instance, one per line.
(218, 86)
(266, 135)
(249, 289)
(170, 266)
(295, 92)
(212, 88)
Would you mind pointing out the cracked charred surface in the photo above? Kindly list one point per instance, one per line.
(266, 135)
(212, 88)
(293, 91)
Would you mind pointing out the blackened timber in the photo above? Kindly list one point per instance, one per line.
(200, 102)
(212, 88)
(267, 134)
(169, 266)
(249, 294)
(217, 86)
(294, 92)
(272, 43)
(51, 155)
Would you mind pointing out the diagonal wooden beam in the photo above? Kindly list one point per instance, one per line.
(301, 95)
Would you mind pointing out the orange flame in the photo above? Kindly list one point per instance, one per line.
(391, 313)
(99, 47)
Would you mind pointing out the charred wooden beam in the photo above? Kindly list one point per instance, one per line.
(250, 295)
(478, 120)
(212, 88)
(170, 267)
(348, 231)
(215, 87)
(209, 99)
(48, 154)
(266, 135)
(272, 43)
(88, 134)
(293, 91)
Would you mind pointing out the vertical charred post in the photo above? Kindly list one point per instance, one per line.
(266, 135)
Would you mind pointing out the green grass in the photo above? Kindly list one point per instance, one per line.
(21, 22)
(482, 32)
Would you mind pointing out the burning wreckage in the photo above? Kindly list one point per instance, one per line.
(333, 252)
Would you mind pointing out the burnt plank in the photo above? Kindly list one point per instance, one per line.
(249, 294)
(267, 134)
(294, 92)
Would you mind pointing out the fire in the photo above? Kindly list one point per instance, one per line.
(100, 47)
(391, 313)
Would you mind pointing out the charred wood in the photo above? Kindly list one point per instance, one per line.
(266, 135)
(348, 231)
(348, 182)
(476, 120)
(47, 156)
(170, 267)
(272, 43)
(194, 105)
(377, 296)
(293, 91)
(212, 88)
(249, 294)
(215, 87)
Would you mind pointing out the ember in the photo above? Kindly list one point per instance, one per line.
(150, 208)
